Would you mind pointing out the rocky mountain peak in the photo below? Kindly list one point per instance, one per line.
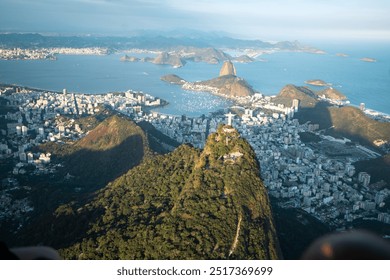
(228, 69)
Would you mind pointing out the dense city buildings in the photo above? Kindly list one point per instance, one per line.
(47, 53)
(317, 177)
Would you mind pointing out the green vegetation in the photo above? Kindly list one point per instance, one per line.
(106, 152)
(309, 137)
(378, 168)
(331, 93)
(112, 146)
(346, 122)
(354, 123)
(296, 230)
(173, 79)
(307, 98)
(188, 204)
(372, 225)
(158, 141)
(4, 109)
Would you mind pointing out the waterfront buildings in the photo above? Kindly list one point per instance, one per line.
(297, 174)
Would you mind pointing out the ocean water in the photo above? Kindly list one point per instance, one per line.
(359, 81)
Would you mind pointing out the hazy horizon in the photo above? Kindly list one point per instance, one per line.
(276, 20)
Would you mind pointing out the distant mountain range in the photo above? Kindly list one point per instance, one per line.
(148, 40)
(180, 55)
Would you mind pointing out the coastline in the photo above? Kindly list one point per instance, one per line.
(107, 74)
(147, 104)
(28, 88)
(238, 100)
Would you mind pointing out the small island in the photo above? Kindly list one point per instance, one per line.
(368, 59)
(173, 79)
(318, 83)
(129, 58)
(342, 55)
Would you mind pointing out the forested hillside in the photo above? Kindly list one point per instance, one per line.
(188, 204)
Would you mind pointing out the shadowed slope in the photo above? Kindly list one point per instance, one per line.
(188, 204)
(347, 122)
(106, 152)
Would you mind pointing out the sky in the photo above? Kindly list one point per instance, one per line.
(272, 20)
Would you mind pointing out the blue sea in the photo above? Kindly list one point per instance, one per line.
(359, 81)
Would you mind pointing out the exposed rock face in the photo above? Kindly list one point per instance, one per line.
(227, 69)
(227, 84)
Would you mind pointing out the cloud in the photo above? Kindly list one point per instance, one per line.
(290, 16)
(246, 17)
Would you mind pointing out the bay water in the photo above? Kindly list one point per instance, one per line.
(360, 81)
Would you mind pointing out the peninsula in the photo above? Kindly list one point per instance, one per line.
(227, 85)
(332, 94)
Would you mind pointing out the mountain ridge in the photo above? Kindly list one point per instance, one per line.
(305, 95)
(112, 140)
(346, 121)
(339, 121)
(116, 140)
(153, 41)
(192, 204)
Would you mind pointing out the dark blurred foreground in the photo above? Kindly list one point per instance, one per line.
(354, 245)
